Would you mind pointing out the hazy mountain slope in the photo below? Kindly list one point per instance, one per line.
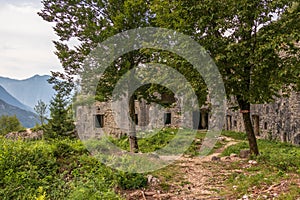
(29, 91)
(8, 98)
(27, 118)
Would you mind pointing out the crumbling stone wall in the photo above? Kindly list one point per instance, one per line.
(87, 118)
(116, 124)
(279, 120)
(26, 135)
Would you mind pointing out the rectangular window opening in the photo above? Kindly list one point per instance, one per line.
(136, 119)
(167, 118)
(228, 122)
(235, 123)
(99, 121)
(266, 125)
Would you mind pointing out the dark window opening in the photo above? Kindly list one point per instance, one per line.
(167, 118)
(297, 139)
(136, 119)
(196, 120)
(228, 122)
(204, 120)
(99, 121)
(266, 125)
(200, 120)
(235, 123)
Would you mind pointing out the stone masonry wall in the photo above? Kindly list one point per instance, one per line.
(118, 126)
(279, 120)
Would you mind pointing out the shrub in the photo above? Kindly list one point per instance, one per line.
(56, 169)
(127, 180)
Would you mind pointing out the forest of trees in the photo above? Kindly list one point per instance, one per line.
(246, 39)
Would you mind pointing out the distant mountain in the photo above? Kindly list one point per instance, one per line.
(27, 118)
(8, 98)
(29, 91)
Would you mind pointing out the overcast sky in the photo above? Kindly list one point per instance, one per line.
(26, 46)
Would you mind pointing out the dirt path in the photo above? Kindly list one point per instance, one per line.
(199, 178)
(195, 178)
(217, 153)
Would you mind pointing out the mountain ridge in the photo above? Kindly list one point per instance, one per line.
(28, 119)
(24, 79)
(28, 91)
(9, 99)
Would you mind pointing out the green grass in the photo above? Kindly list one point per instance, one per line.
(149, 142)
(257, 177)
(165, 138)
(159, 139)
(235, 148)
(276, 161)
(167, 176)
(282, 156)
(235, 135)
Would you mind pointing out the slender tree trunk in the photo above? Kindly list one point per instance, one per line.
(133, 143)
(42, 120)
(132, 130)
(245, 108)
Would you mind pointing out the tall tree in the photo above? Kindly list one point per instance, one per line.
(91, 22)
(252, 43)
(245, 38)
(61, 122)
(40, 109)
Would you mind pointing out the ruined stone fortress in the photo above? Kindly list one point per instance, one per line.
(279, 120)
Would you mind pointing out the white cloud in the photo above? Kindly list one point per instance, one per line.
(26, 46)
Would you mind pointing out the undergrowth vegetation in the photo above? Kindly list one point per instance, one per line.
(64, 169)
(277, 162)
(58, 169)
(282, 156)
(155, 140)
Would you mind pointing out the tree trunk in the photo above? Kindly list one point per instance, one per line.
(132, 130)
(133, 143)
(245, 108)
